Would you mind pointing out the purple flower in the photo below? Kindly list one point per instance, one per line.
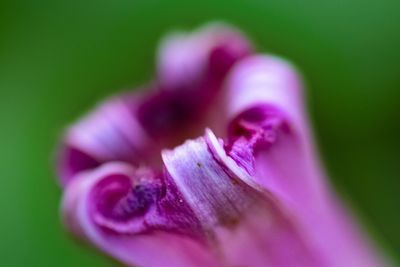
(213, 165)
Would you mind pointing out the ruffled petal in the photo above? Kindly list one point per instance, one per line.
(203, 211)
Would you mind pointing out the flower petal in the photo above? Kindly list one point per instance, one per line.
(269, 136)
(255, 198)
(111, 132)
(143, 246)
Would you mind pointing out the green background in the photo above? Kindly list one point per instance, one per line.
(58, 58)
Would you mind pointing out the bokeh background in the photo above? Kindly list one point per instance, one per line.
(59, 58)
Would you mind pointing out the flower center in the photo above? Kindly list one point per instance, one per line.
(121, 200)
(173, 115)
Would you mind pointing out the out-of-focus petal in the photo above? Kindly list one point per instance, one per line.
(264, 79)
(269, 136)
(266, 99)
(183, 57)
(110, 133)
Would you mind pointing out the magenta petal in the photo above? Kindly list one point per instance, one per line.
(141, 247)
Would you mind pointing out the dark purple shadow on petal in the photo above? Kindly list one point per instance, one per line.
(225, 55)
(166, 112)
(146, 201)
(73, 162)
(179, 113)
(121, 201)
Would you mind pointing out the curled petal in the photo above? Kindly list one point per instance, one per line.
(264, 79)
(92, 209)
(269, 136)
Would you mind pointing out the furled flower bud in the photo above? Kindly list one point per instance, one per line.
(212, 166)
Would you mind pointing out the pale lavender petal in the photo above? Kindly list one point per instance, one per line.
(111, 132)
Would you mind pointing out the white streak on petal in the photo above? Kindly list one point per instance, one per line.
(211, 192)
(109, 132)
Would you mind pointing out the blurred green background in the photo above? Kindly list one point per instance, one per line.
(58, 58)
